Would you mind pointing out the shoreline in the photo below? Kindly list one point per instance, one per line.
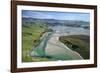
(54, 41)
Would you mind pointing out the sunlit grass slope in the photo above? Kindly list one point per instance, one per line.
(31, 33)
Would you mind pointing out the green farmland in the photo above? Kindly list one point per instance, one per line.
(78, 43)
(31, 34)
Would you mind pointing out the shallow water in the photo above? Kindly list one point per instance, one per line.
(51, 46)
(72, 30)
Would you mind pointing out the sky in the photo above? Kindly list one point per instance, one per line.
(56, 15)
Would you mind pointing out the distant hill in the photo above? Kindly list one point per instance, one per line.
(54, 22)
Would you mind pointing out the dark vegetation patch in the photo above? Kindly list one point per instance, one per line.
(78, 43)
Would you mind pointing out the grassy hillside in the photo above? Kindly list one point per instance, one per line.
(31, 33)
(78, 43)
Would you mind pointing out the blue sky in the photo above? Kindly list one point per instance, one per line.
(56, 15)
